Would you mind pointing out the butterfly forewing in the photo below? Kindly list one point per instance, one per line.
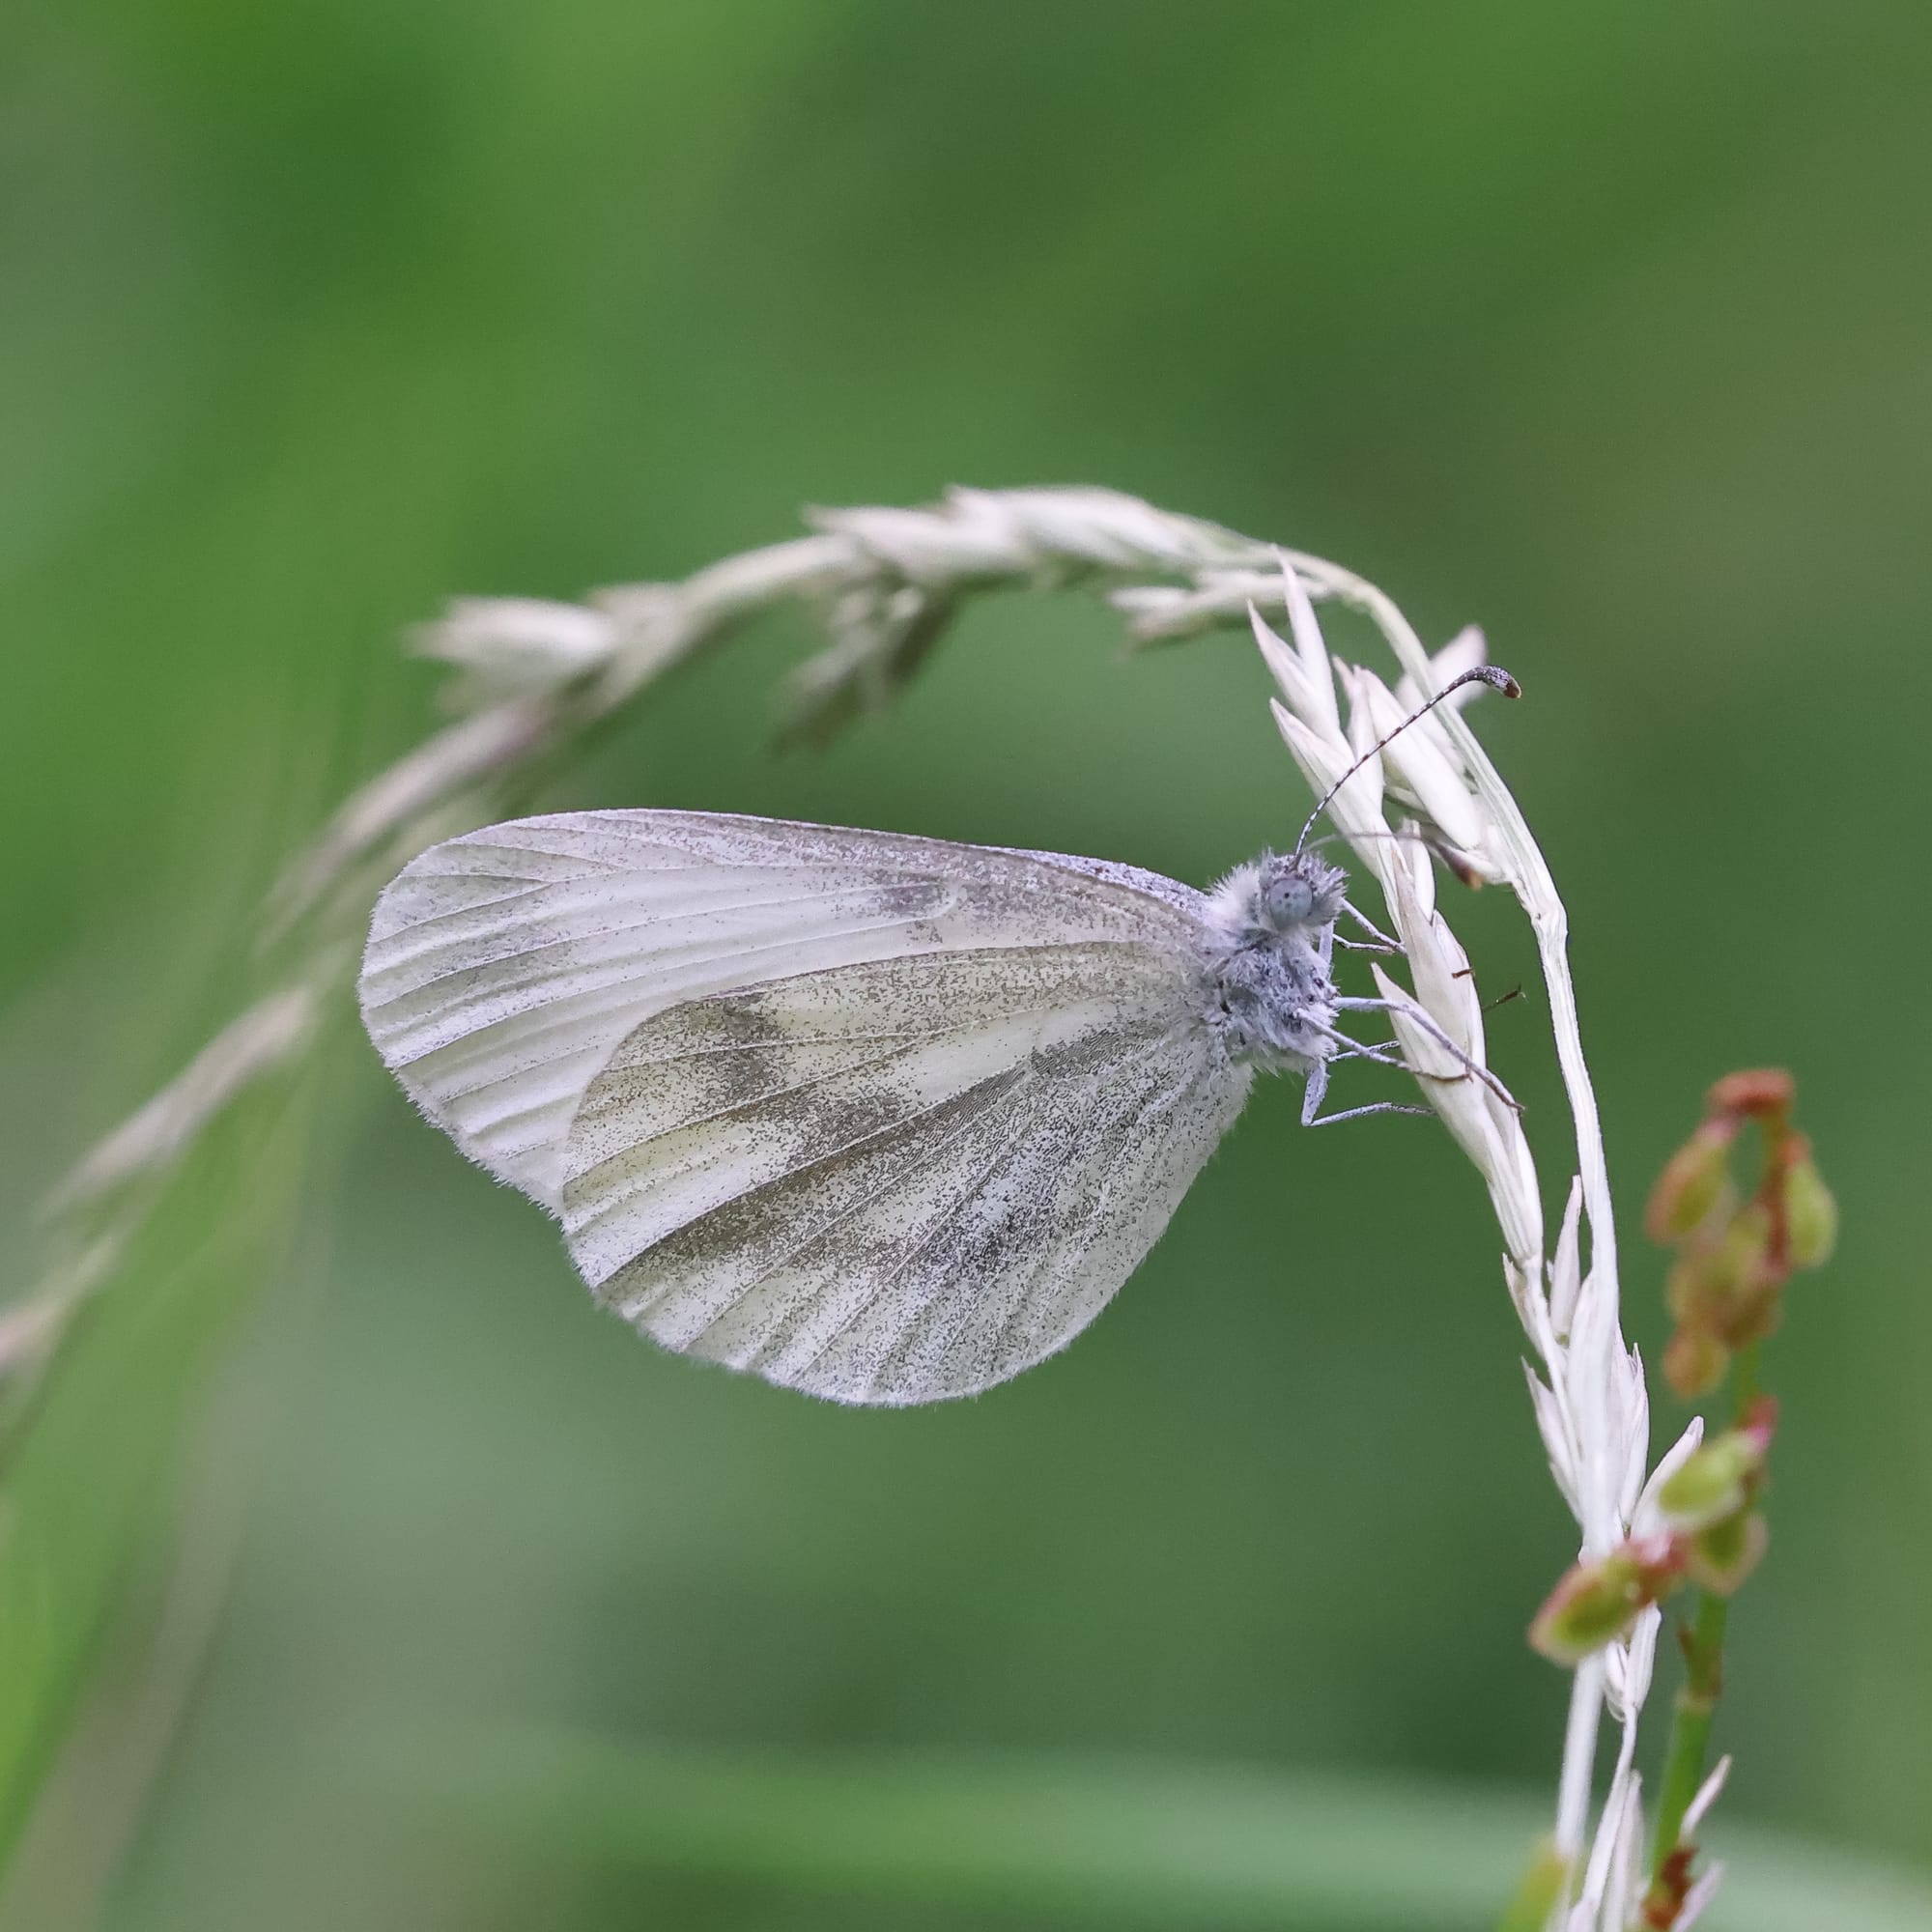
(503, 967)
(901, 1179)
(878, 1117)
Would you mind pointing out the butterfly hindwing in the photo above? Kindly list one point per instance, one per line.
(901, 1180)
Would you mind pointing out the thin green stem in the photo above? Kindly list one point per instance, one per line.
(1691, 1723)
(1744, 1382)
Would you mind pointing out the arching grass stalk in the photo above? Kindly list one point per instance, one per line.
(1435, 781)
(535, 680)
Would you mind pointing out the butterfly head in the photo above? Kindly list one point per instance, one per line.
(1276, 898)
(1296, 895)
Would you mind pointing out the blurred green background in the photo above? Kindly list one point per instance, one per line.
(1609, 328)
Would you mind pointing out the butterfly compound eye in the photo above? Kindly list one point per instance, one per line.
(1287, 899)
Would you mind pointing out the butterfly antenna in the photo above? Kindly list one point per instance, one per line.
(1493, 675)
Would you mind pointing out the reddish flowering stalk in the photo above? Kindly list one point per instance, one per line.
(1726, 1292)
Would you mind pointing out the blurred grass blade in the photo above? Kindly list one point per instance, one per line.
(1122, 1842)
(1535, 1896)
(88, 1464)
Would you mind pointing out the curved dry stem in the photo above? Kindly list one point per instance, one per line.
(534, 681)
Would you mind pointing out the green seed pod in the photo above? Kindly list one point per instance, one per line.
(1811, 1214)
(1694, 1361)
(1715, 1481)
(1596, 1602)
(1719, 1558)
(1692, 1184)
(1717, 1282)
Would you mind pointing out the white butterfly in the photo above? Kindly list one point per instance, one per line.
(881, 1118)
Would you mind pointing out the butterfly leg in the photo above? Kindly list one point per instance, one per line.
(1312, 1092)
(1419, 1018)
(1359, 1113)
(1318, 1086)
(1369, 927)
(1383, 1053)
